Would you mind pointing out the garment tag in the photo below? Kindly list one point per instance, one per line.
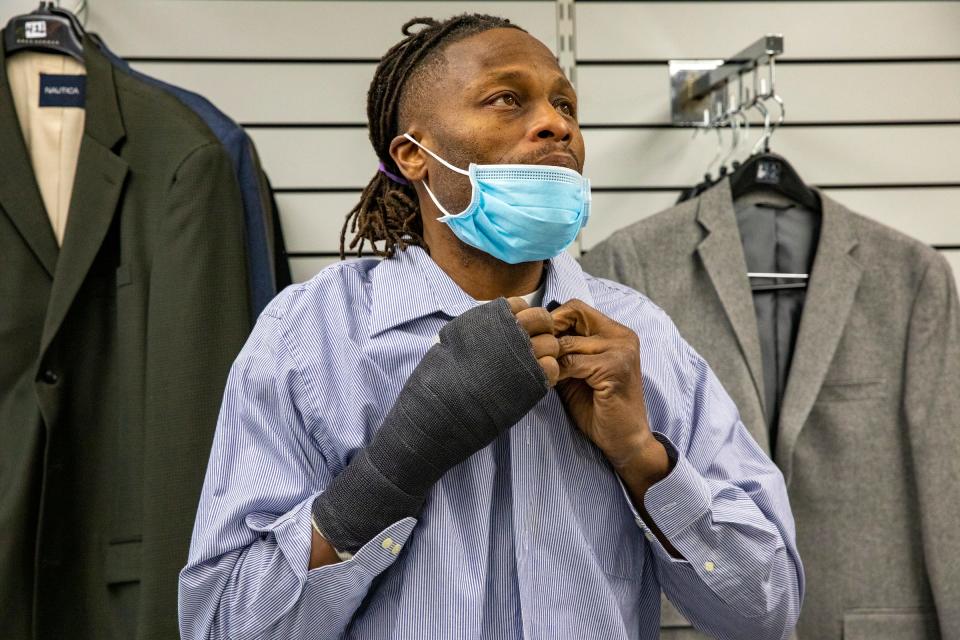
(35, 29)
(62, 90)
(768, 171)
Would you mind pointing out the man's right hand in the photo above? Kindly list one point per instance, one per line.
(538, 323)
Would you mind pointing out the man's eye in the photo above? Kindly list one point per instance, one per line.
(565, 108)
(507, 99)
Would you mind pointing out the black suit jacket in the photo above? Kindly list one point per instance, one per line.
(115, 350)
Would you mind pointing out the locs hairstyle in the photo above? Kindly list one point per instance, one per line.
(388, 211)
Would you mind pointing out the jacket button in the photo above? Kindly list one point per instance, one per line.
(49, 376)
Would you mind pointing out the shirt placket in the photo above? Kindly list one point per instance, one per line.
(529, 475)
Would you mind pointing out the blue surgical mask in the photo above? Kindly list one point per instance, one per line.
(518, 212)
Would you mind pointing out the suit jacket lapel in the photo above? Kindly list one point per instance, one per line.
(19, 194)
(722, 254)
(830, 295)
(96, 191)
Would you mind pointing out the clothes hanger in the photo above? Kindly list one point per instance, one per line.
(49, 29)
(758, 185)
(767, 171)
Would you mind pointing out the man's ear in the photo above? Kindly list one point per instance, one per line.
(409, 157)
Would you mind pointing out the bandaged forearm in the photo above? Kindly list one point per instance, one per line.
(479, 381)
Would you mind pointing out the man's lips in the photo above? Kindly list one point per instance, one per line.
(560, 160)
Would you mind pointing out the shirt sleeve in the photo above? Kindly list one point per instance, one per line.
(724, 507)
(246, 575)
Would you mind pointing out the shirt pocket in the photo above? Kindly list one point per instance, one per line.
(907, 623)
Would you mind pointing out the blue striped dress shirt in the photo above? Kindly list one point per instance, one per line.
(532, 537)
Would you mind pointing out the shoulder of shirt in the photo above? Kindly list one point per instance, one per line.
(633, 309)
(341, 284)
(609, 294)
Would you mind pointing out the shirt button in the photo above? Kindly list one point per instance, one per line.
(49, 376)
(387, 543)
(649, 536)
(709, 566)
(396, 548)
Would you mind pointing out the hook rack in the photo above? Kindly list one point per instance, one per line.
(700, 89)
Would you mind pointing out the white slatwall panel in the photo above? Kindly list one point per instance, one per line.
(305, 268)
(639, 94)
(827, 155)
(284, 28)
(867, 79)
(279, 93)
(827, 30)
(651, 157)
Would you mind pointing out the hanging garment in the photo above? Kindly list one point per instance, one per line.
(116, 348)
(267, 264)
(869, 426)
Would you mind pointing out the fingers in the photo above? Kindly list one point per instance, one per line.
(586, 345)
(551, 368)
(517, 305)
(578, 317)
(545, 344)
(578, 366)
(535, 321)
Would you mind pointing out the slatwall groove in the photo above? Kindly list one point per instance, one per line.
(605, 62)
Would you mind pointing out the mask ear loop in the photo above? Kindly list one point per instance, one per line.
(436, 157)
(446, 213)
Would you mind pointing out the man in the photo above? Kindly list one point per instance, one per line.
(397, 459)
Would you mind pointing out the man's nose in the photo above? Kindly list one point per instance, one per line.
(550, 123)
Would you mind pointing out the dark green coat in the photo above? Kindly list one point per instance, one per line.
(114, 352)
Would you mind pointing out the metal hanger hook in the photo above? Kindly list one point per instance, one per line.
(719, 154)
(762, 142)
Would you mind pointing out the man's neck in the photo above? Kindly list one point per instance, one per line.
(482, 276)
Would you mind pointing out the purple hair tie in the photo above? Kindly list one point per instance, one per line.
(382, 169)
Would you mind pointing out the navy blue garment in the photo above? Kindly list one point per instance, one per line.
(263, 243)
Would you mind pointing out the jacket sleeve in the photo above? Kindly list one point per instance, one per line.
(932, 408)
(197, 319)
(247, 574)
(723, 506)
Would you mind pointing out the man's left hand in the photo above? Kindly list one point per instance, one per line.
(601, 385)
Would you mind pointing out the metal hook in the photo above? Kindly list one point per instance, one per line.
(716, 127)
(763, 141)
(776, 98)
(731, 118)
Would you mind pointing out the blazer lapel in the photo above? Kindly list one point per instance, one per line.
(722, 254)
(830, 295)
(19, 194)
(96, 190)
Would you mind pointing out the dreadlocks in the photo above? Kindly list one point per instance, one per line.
(388, 211)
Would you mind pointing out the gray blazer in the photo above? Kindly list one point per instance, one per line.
(869, 431)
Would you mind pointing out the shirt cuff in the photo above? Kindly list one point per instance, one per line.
(294, 535)
(674, 503)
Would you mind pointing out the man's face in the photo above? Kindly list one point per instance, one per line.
(501, 98)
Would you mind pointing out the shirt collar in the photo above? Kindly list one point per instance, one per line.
(410, 285)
